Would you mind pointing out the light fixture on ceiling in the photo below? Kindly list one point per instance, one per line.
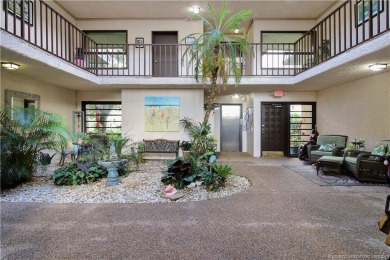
(236, 30)
(377, 67)
(195, 9)
(235, 96)
(10, 65)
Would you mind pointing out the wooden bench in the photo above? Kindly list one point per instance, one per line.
(160, 149)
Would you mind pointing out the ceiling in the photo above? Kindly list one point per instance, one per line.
(165, 9)
(170, 9)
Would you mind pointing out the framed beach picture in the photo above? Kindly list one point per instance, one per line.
(162, 114)
(28, 9)
(362, 10)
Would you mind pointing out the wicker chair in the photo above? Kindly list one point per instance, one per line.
(314, 154)
(366, 166)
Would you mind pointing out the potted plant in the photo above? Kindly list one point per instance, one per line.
(185, 147)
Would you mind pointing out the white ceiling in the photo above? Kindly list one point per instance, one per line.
(170, 9)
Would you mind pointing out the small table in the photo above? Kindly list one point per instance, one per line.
(334, 162)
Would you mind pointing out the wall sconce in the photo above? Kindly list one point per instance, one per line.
(10, 65)
(195, 9)
(377, 67)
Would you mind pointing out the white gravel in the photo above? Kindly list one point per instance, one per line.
(142, 186)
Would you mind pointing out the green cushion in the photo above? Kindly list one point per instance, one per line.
(332, 159)
(351, 160)
(316, 152)
(326, 148)
(379, 150)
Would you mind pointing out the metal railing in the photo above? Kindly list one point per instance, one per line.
(348, 26)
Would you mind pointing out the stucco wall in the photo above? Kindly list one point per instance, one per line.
(133, 105)
(358, 109)
(52, 98)
(143, 28)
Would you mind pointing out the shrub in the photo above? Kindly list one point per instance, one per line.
(25, 132)
(216, 177)
(72, 174)
(179, 174)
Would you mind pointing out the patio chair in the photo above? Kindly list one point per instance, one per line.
(368, 166)
(327, 145)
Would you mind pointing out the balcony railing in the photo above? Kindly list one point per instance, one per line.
(349, 25)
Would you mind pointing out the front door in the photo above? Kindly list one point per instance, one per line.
(231, 128)
(273, 128)
(165, 59)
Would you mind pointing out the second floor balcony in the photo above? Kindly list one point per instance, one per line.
(343, 29)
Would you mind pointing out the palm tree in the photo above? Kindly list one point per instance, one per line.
(214, 52)
(25, 132)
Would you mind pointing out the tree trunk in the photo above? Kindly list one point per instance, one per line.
(210, 98)
(213, 87)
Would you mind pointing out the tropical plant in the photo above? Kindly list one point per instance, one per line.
(185, 145)
(71, 174)
(214, 52)
(25, 133)
(216, 177)
(178, 173)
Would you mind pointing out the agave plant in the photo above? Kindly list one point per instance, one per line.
(25, 132)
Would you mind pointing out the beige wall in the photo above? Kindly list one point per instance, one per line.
(358, 109)
(53, 98)
(133, 124)
(113, 95)
(143, 28)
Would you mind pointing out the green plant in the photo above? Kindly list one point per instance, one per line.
(216, 177)
(71, 174)
(214, 52)
(185, 145)
(25, 132)
(202, 140)
(179, 173)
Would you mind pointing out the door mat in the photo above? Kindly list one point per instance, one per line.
(328, 177)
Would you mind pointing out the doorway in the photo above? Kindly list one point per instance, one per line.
(231, 128)
(165, 54)
(285, 127)
(273, 129)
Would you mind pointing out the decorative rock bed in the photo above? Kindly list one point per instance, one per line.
(142, 186)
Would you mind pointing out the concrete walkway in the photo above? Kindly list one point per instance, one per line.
(281, 216)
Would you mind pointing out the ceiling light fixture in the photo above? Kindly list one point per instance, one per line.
(10, 65)
(377, 67)
(236, 30)
(195, 9)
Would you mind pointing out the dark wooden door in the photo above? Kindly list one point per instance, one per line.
(165, 59)
(273, 127)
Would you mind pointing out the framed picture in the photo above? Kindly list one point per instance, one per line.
(190, 40)
(362, 9)
(28, 9)
(139, 42)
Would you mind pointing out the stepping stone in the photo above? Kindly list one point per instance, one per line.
(174, 197)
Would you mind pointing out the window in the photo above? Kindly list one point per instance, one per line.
(111, 49)
(278, 49)
(302, 121)
(102, 117)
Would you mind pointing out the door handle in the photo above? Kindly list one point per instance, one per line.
(155, 61)
(263, 129)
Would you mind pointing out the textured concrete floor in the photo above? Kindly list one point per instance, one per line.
(281, 216)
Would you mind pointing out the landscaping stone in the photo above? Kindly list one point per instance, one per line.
(142, 186)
